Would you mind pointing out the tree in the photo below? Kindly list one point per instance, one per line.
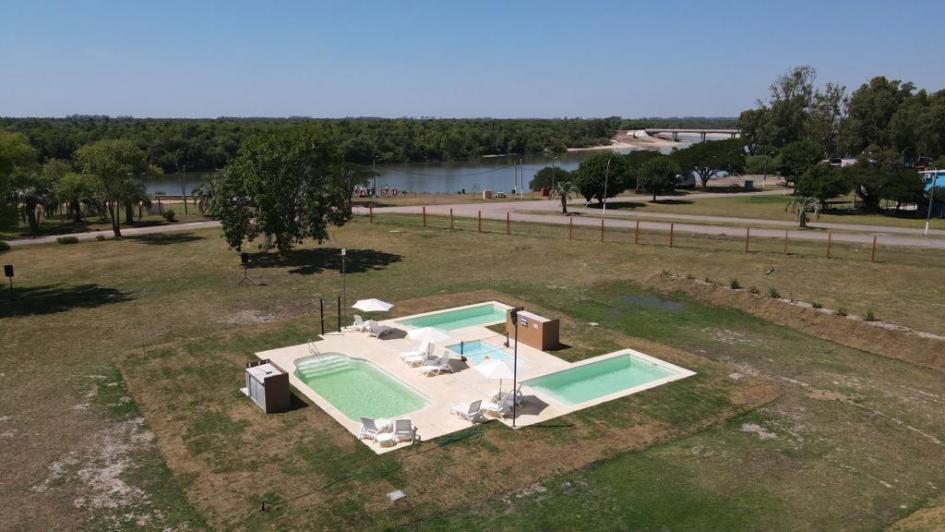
(75, 190)
(635, 160)
(564, 190)
(659, 175)
(878, 174)
(797, 157)
(707, 160)
(601, 176)
(548, 177)
(826, 117)
(286, 186)
(17, 159)
(871, 109)
(823, 182)
(116, 163)
(801, 205)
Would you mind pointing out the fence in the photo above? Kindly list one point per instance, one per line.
(746, 240)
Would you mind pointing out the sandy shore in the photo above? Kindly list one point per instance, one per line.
(633, 140)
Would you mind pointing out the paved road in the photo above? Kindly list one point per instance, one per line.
(523, 211)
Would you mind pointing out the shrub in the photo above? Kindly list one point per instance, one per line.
(734, 284)
(4, 246)
(690, 276)
(666, 273)
(773, 292)
(67, 240)
(754, 290)
(816, 305)
(99, 237)
(169, 215)
(841, 311)
(870, 316)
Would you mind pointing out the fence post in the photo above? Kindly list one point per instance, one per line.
(508, 222)
(829, 240)
(451, 219)
(321, 313)
(636, 234)
(371, 214)
(424, 216)
(873, 254)
(601, 229)
(785, 241)
(671, 228)
(480, 221)
(570, 228)
(339, 313)
(747, 237)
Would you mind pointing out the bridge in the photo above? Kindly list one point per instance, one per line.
(732, 133)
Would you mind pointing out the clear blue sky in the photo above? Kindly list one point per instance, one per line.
(446, 59)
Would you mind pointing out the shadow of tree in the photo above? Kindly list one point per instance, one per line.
(619, 205)
(673, 202)
(162, 239)
(50, 299)
(309, 261)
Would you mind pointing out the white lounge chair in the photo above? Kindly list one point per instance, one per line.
(420, 360)
(425, 349)
(404, 430)
(437, 367)
(358, 325)
(368, 429)
(500, 408)
(471, 412)
(377, 330)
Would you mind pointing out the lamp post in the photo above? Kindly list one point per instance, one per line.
(514, 314)
(554, 172)
(374, 175)
(928, 218)
(344, 291)
(606, 175)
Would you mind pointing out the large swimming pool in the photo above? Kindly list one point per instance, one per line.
(485, 314)
(587, 382)
(357, 387)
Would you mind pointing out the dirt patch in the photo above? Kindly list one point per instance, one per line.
(762, 433)
(903, 344)
(827, 395)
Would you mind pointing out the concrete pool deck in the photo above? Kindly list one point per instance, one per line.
(465, 384)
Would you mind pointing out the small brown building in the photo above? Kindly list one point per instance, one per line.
(267, 385)
(533, 330)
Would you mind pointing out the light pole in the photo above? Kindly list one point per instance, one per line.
(606, 175)
(344, 288)
(514, 314)
(374, 174)
(928, 218)
(554, 173)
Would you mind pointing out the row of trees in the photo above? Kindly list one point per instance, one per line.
(106, 179)
(888, 126)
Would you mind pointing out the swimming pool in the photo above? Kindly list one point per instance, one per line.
(626, 372)
(485, 314)
(478, 351)
(357, 387)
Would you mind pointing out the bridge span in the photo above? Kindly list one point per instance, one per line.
(675, 132)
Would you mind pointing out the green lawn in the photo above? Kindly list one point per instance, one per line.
(848, 423)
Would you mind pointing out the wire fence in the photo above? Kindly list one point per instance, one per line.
(745, 239)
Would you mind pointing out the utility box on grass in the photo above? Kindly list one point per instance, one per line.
(267, 385)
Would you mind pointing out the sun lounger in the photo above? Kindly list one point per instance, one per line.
(418, 360)
(377, 330)
(500, 408)
(471, 412)
(437, 367)
(368, 429)
(359, 324)
(404, 430)
(425, 350)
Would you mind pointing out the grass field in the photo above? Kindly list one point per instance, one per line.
(63, 226)
(854, 441)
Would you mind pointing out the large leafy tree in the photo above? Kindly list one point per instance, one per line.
(797, 157)
(823, 182)
(17, 159)
(708, 160)
(659, 175)
(879, 174)
(871, 109)
(602, 176)
(286, 186)
(118, 164)
(76, 190)
(548, 177)
(635, 160)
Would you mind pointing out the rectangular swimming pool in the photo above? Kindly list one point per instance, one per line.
(484, 314)
(478, 352)
(626, 372)
(357, 387)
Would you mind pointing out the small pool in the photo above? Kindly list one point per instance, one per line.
(587, 382)
(478, 352)
(485, 314)
(357, 387)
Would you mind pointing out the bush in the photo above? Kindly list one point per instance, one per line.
(870, 316)
(690, 276)
(841, 311)
(99, 237)
(816, 305)
(734, 284)
(169, 215)
(4, 246)
(754, 290)
(67, 240)
(773, 292)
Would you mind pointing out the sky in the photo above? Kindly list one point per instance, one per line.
(446, 59)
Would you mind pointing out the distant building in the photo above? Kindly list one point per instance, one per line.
(933, 178)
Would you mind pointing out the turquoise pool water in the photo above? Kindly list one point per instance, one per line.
(357, 387)
(597, 379)
(486, 314)
(477, 352)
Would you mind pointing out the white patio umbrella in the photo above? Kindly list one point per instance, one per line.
(496, 369)
(372, 305)
(428, 334)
